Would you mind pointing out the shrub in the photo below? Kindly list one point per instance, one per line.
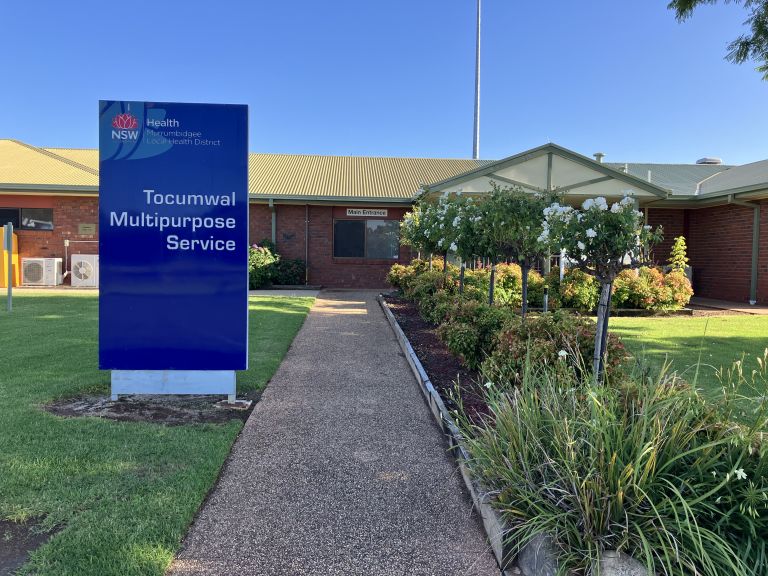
(578, 290)
(649, 468)
(678, 258)
(478, 278)
(470, 328)
(509, 286)
(652, 290)
(399, 276)
(556, 339)
(290, 271)
(438, 307)
(424, 287)
(625, 290)
(261, 269)
(680, 290)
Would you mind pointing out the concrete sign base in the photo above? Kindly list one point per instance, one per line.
(174, 382)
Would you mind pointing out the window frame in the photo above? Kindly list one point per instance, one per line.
(19, 218)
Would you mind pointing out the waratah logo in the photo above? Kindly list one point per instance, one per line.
(125, 122)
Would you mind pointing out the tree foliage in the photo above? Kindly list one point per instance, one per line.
(678, 258)
(751, 46)
(602, 242)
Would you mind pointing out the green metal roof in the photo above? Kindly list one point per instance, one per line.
(677, 178)
(315, 178)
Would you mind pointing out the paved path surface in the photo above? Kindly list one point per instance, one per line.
(340, 469)
(757, 309)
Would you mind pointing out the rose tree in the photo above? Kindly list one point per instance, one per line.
(465, 227)
(416, 229)
(602, 242)
(513, 229)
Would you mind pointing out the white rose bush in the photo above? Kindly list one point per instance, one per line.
(513, 229)
(602, 241)
(510, 224)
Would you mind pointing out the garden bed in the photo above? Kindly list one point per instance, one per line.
(169, 410)
(445, 371)
(434, 367)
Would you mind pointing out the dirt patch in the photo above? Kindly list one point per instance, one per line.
(444, 369)
(17, 540)
(170, 410)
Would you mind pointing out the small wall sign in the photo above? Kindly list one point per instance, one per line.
(86, 229)
(378, 212)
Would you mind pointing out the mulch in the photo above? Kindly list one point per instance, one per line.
(168, 410)
(17, 540)
(445, 371)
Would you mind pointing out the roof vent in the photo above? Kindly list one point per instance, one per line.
(599, 156)
(709, 160)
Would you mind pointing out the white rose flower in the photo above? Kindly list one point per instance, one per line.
(588, 203)
(440, 243)
(616, 208)
(456, 221)
(591, 233)
(453, 247)
(581, 245)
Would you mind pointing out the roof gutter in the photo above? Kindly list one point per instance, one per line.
(50, 188)
(755, 243)
(336, 200)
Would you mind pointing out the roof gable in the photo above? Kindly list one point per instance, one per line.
(551, 167)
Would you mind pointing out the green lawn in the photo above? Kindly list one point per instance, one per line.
(719, 339)
(121, 494)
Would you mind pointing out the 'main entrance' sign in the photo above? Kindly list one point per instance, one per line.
(173, 234)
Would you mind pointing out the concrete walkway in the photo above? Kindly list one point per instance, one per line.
(340, 468)
(757, 309)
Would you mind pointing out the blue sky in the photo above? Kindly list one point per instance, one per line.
(395, 77)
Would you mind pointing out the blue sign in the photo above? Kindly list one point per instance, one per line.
(173, 235)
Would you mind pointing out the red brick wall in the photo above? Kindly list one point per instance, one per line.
(673, 223)
(68, 212)
(720, 249)
(762, 260)
(324, 269)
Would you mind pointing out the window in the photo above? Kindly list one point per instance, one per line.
(9, 215)
(37, 219)
(349, 238)
(372, 239)
(28, 218)
(382, 239)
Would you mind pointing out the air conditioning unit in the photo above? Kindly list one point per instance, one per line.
(41, 271)
(85, 270)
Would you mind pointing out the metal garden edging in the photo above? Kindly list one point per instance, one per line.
(492, 522)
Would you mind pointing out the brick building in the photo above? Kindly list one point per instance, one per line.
(341, 214)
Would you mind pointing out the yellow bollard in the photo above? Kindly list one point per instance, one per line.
(15, 264)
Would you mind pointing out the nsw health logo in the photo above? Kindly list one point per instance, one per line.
(125, 127)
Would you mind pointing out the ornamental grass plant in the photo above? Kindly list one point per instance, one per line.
(641, 465)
